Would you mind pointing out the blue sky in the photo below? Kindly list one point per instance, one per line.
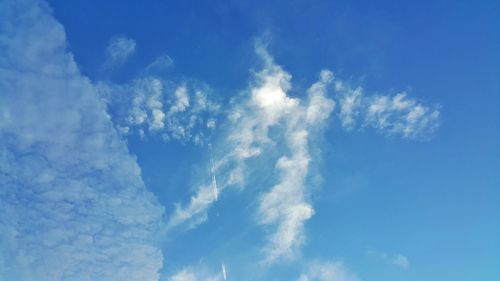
(249, 140)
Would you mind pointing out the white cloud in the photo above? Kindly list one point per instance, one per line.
(401, 261)
(153, 106)
(195, 211)
(284, 208)
(327, 271)
(350, 103)
(398, 260)
(181, 101)
(320, 106)
(159, 65)
(158, 119)
(224, 272)
(396, 115)
(401, 115)
(196, 274)
(73, 205)
(183, 275)
(119, 49)
(285, 205)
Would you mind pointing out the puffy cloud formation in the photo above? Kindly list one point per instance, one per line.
(119, 49)
(327, 271)
(153, 106)
(73, 205)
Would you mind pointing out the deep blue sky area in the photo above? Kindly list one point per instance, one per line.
(383, 41)
(433, 200)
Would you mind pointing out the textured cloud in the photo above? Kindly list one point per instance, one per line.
(267, 107)
(267, 119)
(72, 202)
(153, 106)
(119, 49)
(327, 271)
(401, 115)
(397, 115)
(286, 206)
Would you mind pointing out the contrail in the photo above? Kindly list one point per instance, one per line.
(215, 190)
(224, 275)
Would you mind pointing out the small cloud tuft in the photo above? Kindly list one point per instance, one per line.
(119, 49)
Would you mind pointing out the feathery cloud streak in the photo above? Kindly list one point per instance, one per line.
(285, 207)
(294, 121)
(391, 115)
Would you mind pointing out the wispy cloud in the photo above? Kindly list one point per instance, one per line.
(224, 272)
(398, 260)
(268, 119)
(327, 271)
(196, 274)
(159, 66)
(284, 208)
(119, 49)
(73, 205)
(196, 211)
(392, 115)
(401, 261)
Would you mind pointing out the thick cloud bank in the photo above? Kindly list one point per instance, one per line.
(72, 202)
